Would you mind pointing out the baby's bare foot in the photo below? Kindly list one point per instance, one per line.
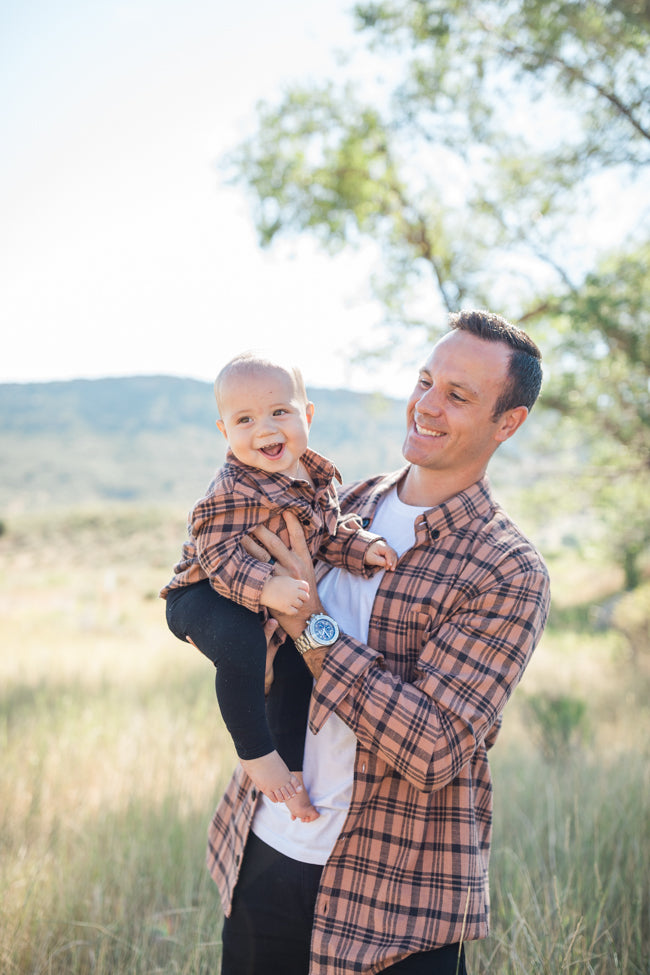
(300, 806)
(272, 777)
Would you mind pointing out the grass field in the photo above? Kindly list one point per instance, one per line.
(113, 757)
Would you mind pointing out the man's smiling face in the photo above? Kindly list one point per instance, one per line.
(451, 427)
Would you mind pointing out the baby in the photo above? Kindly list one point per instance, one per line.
(219, 596)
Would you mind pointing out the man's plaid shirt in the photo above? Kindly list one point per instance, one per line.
(451, 632)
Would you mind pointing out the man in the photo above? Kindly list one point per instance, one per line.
(412, 671)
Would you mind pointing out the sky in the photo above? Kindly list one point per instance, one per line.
(122, 251)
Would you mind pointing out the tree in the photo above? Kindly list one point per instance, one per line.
(602, 329)
(474, 168)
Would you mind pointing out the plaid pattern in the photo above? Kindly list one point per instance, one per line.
(451, 633)
(239, 499)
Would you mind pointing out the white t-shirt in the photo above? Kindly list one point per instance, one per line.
(328, 767)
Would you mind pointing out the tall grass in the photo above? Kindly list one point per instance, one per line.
(569, 876)
(113, 758)
(105, 797)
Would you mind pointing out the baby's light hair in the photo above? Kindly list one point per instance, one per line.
(251, 362)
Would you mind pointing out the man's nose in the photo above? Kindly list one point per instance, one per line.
(430, 401)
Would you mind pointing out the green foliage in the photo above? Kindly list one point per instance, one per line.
(599, 386)
(560, 722)
(631, 617)
(337, 179)
(445, 165)
(475, 169)
(602, 331)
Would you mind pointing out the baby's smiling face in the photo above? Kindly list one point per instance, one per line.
(265, 419)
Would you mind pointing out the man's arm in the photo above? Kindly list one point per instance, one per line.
(428, 729)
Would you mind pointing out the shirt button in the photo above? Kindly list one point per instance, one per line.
(253, 793)
(435, 534)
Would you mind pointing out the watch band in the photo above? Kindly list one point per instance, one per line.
(304, 642)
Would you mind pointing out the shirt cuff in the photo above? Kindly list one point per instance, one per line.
(247, 583)
(345, 663)
(356, 553)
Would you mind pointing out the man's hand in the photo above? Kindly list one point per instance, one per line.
(295, 561)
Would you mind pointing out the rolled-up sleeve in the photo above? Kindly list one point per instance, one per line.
(427, 728)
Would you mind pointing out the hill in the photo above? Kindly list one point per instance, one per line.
(154, 439)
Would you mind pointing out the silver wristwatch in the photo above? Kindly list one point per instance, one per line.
(321, 631)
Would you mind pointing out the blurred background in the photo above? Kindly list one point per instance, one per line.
(179, 182)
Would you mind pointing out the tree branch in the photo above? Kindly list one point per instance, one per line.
(516, 50)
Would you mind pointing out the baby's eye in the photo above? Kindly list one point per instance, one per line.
(280, 411)
(244, 419)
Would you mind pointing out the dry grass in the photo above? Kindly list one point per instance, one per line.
(114, 756)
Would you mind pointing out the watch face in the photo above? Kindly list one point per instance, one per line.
(324, 630)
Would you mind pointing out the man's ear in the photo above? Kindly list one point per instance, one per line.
(509, 422)
(309, 413)
(222, 427)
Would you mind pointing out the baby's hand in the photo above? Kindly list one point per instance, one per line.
(284, 594)
(381, 554)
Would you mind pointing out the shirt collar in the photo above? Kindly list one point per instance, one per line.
(321, 470)
(475, 502)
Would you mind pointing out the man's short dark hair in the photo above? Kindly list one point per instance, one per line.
(525, 365)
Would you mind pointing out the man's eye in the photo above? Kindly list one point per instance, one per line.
(457, 398)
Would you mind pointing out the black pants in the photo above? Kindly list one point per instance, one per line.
(269, 929)
(232, 637)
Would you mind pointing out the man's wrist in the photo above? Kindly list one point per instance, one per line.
(293, 626)
(320, 633)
